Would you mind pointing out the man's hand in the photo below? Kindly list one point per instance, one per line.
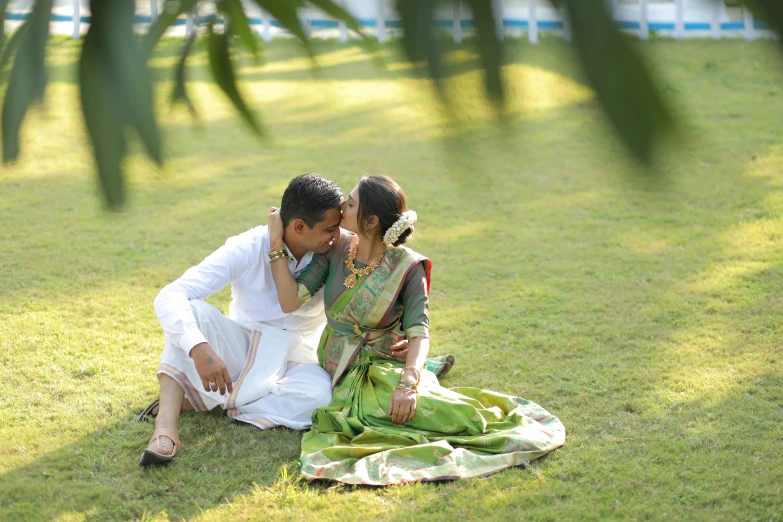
(275, 227)
(211, 368)
(400, 351)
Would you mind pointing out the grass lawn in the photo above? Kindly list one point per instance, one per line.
(647, 316)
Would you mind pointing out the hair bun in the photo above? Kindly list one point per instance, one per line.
(404, 236)
(403, 224)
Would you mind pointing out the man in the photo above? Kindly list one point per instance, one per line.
(258, 363)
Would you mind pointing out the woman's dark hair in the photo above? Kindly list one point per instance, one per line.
(380, 196)
(308, 197)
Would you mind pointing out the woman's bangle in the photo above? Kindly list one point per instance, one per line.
(415, 371)
(280, 254)
(402, 385)
(408, 388)
(274, 248)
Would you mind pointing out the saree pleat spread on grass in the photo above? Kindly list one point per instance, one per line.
(456, 433)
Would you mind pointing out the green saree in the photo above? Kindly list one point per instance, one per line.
(455, 433)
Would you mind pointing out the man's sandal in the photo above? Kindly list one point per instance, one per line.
(151, 411)
(150, 457)
(147, 412)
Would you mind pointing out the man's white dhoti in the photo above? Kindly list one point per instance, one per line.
(272, 386)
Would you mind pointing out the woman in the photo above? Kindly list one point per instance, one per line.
(390, 422)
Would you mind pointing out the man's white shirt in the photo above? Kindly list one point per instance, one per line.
(242, 262)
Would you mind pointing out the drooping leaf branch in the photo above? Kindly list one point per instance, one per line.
(116, 86)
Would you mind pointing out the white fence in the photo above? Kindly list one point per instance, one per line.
(518, 18)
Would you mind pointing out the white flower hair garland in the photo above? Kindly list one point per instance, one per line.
(403, 223)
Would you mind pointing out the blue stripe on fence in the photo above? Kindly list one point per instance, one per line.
(372, 22)
(690, 26)
(396, 24)
(140, 19)
(542, 24)
(324, 23)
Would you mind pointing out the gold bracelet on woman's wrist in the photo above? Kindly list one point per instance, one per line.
(407, 391)
(279, 254)
(402, 385)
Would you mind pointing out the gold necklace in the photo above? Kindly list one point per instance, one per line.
(350, 281)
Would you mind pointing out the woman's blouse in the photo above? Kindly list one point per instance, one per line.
(329, 270)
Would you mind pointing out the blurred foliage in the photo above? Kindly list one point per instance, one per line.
(117, 95)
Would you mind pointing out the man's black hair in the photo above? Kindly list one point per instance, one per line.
(308, 197)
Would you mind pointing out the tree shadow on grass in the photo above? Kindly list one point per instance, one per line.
(335, 61)
(99, 475)
(288, 61)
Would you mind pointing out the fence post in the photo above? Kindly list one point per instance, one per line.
(77, 19)
(381, 20)
(457, 24)
(679, 22)
(343, 31)
(715, 22)
(342, 27)
(266, 34)
(567, 33)
(153, 11)
(190, 25)
(499, 19)
(747, 17)
(644, 23)
(532, 22)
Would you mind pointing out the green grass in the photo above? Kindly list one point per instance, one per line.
(647, 316)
